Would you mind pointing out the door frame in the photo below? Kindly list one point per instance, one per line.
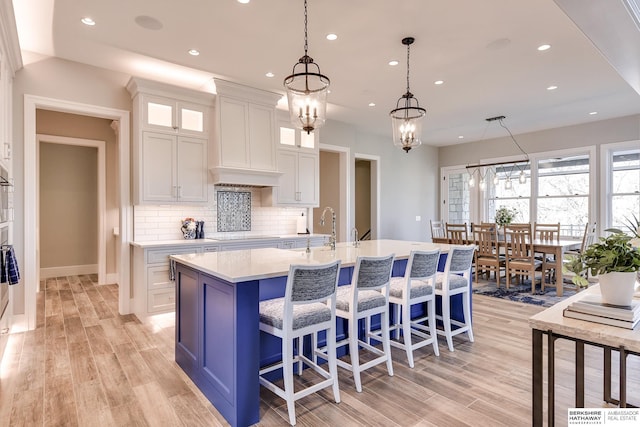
(102, 193)
(475, 202)
(125, 231)
(375, 190)
(344, 213)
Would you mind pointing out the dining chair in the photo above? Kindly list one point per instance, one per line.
(438, 234)
(366, 296)
(487, 257)
(416, 287)
(457, 233)
(455, 280)
(546, 232)
(519, 256)
(588, 238)
(307, 308)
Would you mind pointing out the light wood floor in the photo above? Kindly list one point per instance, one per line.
(86, 365)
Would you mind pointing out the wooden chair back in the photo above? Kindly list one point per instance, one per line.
(519, 242)
(457, 234)
(546, 231)
(486, 239)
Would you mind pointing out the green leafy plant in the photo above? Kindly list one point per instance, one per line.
(613, 253)
(504, 215)
(632, 224)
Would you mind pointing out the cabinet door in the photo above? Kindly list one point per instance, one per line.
(288, 165)
(192, 118)
(261, 137)
(159, 113)
(192, 170)
(234, 141)
(158, 173)
(308, 186)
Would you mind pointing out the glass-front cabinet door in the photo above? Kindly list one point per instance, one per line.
(171, 115)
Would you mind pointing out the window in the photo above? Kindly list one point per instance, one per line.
(505, 188)
(563, 193)
(624, 197)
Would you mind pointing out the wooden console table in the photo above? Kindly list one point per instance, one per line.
(554, 325)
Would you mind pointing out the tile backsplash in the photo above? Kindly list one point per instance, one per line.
(162, 222)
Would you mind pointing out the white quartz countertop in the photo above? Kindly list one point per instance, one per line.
(256, 264)
(553, 319)
(218, 240)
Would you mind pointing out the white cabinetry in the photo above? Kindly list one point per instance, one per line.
(298, 161)
(246, 129)
(170, 143)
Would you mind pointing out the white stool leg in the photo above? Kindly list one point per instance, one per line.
(466, 309)
(396, 320)
(287, 373)
(300, 364)
(406, 332)
(446, 320)
(384, 329)
(354, 353)
(333, 366)
(431, 308)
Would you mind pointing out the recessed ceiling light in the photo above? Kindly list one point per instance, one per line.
(438, 82)
(269, 74)
(460, 137)
(332, 36)
(244, 1)
(372, 104)
(544, 47)
(88, 21)
(194, 52)
(393, 63)
(552, 87)
(593, 113)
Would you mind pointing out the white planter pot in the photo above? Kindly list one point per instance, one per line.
(617, 288)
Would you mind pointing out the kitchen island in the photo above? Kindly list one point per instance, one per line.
(218, 341)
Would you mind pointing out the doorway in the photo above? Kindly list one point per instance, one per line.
(367, 203)
(124, 231)
(72, 239)
(334, 190)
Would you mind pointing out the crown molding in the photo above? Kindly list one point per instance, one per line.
(9, 36)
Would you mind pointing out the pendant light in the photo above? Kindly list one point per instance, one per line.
(307, 90)
(406, 118)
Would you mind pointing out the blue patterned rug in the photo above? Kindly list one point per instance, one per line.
(522, 293)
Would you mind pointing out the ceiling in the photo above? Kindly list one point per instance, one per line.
(484, 51)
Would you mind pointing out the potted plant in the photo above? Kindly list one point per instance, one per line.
(615, 261)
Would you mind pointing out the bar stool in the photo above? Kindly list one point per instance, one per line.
(307, 308)
(367, 296)
(416, 287)
(455, 280)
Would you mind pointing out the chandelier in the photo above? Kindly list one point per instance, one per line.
(406, 118)
(307, 90)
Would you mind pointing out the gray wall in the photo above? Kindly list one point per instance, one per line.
(408, 182)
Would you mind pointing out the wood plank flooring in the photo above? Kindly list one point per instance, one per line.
(86, 365)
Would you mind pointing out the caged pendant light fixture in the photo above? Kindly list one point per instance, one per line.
(307, 90)
(406, 118)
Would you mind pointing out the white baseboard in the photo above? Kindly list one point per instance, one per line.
(111, 279)
(68, 270)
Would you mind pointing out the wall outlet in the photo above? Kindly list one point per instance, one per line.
(418, 218)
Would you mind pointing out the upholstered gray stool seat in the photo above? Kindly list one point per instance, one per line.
(419, 288)
(455, 281)
(367, 300)
(272, 313)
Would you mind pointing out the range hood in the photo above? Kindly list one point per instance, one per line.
(222, 175)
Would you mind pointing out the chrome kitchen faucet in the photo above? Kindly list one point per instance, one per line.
(332, 239)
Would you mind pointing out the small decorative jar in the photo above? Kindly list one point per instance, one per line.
(188, 228)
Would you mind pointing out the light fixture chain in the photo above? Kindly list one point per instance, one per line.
(306, 44)
(408, 49)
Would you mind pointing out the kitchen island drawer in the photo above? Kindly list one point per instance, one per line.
(160, 300)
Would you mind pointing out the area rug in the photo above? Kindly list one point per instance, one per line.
(522, 293)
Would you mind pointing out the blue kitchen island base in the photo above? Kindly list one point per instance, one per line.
(217, 338)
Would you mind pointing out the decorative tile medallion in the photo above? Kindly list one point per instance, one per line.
(234, 211)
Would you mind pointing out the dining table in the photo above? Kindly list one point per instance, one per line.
(555, 247)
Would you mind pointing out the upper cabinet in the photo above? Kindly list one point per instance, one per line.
(298, 160)
(245, 149)
(170, 143)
